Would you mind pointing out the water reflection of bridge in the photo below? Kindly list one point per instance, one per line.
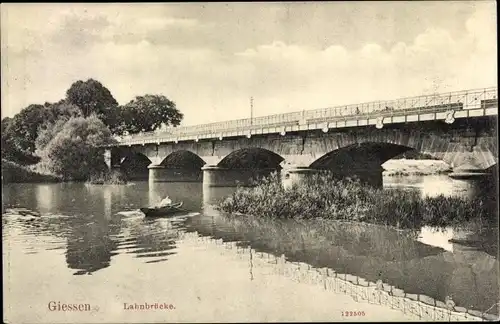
(357, 287)
(365, 253)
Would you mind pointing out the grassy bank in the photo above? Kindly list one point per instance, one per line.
(322, 196)
(13, 172)
(38, 173)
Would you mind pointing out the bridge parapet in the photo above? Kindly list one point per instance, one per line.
(444, 106)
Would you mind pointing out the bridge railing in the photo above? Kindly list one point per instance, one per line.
(470, 99)
(467, 99)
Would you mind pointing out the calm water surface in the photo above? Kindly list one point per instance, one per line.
(91, 245)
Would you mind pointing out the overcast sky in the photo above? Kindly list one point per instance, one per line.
(210, 58)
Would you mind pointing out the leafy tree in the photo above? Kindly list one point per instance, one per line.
(20, 133)
(22, 130)
(59, 114)
(115, 119)
(91, 97)
(9, 149)
(62, 110)
(143, 114)
(74, 151)
(47, 133)
(5, 125)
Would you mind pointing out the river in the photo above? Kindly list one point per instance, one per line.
(91, 246)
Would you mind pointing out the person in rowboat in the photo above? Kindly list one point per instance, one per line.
(165, 207)
(165, 202)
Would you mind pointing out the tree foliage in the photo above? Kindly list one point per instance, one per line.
(22, 130)
(61, 110)
(10, 151)
(6, 139)
(19, 134)
(66, 134)
(143, 114)
(60, 113)
(74, 151)
(91, 97)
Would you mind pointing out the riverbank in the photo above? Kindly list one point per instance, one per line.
(323, 196)
(15, 173)
(407, 167)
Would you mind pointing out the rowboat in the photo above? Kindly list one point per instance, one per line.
(162, 211)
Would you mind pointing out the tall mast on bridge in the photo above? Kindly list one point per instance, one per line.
(251, 110)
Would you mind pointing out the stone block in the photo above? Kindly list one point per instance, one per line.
(398, 292)
(412, 296)
(474, 313)
(387, 287)
(441, 304)
(351, 278)
(427, 300)
(362, 282)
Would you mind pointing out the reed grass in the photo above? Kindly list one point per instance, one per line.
(108, 177)
(323, 196)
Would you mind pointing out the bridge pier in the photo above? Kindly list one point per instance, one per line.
(159, 173)
(214, 176)
(298, 174)
(107, 158)
(477, 182)
(372, 176)
(112, 159)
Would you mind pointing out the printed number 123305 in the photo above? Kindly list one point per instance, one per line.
(353, 313)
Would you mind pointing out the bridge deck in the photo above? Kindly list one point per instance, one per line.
(462, 104)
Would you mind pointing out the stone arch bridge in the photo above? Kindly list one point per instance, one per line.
(459, 128)
(468, 146)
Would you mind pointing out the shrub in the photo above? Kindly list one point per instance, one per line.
(323, 196)
(108, 177)
(74, 153)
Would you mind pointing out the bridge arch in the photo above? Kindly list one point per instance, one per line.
(362, 160)
(135, 165)
(359, 156)
(452, 150)
(251, 158)
(183, 159)
(242, 166)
